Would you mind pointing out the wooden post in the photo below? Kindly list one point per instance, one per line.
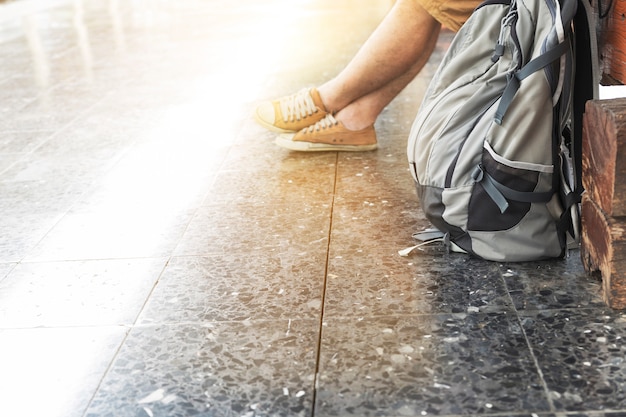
(603, 240)
(603, 248)
(611, 16)
(604, 154)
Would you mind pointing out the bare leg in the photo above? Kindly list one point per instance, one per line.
(393, 55)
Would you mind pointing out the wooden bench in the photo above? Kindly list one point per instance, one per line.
(603, 240)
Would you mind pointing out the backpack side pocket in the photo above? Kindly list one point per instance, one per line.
(504, 191)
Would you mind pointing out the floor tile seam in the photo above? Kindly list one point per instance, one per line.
(129, 327)
(30, 7)
(416, 315)
(106, 371)
(126, 326)
(525, 413)
(269, 168)
(212, 255)
(107, 259)
(301, 318)
(228, 199)
(138, 325)
(388, 162)
(254, 201)
(320, 331)
(77, 201)
(338, 250)
(67, 125)
(11, 268)
(518, 413)
(34, 261)
(538, 369)
(354, 198)
(213, 323)
(248, 253)
(168, 261)
(149, 294)
(82, 325)
(345, 197)
(25, 155)
(78, 198)
(603, 309)
(27, 130)
(192, 215)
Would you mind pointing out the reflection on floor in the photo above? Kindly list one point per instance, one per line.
(160, 256)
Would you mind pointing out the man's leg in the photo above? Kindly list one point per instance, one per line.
(393, 55)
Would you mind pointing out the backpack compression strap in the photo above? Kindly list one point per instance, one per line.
(500, 193)
(530, 68)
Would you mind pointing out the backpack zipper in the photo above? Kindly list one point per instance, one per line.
(507, 22)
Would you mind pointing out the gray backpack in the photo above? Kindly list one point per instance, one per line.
(495, 149)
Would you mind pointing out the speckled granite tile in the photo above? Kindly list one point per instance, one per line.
(22, 232)
(38, 197)
(112, 231)
(5, 268)
(278, 182)
(581, 355)
(563, 414)
(262, 368)
(554, 284)
(381, 282)
(30, 209)
(238, 287)
(424, 365)
(255, 151)
(84, 149)
(595, 414)
(382, 174)
(377, 222)
(7, 160)
(159, 174)
(51, 108)
(22, 142)
(273, 230)
(66, 168)
(108, 292)
(54, 372)
(16, 91)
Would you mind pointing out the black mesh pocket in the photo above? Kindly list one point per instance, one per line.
(487, 213)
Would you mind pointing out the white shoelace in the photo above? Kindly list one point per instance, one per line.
(297, 106)
(326, 122)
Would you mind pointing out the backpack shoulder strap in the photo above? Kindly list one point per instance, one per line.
(586, 79)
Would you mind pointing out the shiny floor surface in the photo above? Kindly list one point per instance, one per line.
(160, 256)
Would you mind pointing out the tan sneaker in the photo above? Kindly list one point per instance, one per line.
(291, 113)
(329, 135)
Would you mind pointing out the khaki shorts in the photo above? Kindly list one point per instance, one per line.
(450, 13)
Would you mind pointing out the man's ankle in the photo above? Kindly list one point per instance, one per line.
(353, 122)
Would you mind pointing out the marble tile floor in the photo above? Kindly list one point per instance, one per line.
(161, 257)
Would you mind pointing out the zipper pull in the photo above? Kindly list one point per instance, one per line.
(507, 22)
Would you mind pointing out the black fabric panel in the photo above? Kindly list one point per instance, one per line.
(484, 214)
(430, 199)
